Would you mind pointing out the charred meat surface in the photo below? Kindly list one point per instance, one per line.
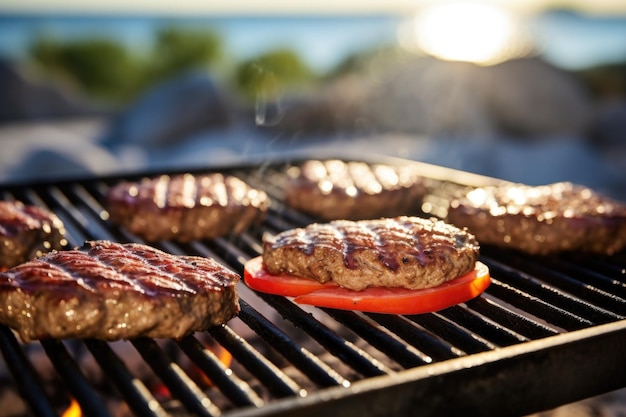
(542, 219)
(334, 189)
(408, 252)
(27, 231)
(109, 291)
(186, 207)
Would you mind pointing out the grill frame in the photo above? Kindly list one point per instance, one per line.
(487, 378)
(474, 385)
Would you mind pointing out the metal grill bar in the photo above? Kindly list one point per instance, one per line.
(315, 369)
(613, 269)
(527, 302)
(402, 353)
(179, 383)
(336, 345)
(605, 278)
(430, 344)
(137, 396)
(480, 325)
(277, 382)
(76, 382)
(613, 305)
(27, 380)
(509, 319)
(567, 291)
(237, 390)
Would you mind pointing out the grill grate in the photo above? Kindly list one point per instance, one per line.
(519, 348)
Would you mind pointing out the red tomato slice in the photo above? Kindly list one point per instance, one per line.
(373, 299)
(257, 278)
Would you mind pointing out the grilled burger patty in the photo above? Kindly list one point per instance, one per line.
(335, 189)
(542, 219)
(408, 252)
(186, 207)
(27, 231)
(111, 291)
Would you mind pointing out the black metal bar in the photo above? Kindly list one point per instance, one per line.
(299, 356)
(609, 277)
(433, 346)
(512, 320)
(536, 306)
(72, 233)
(91, 225)
(26, 378)
(179, 384)
(547, 271)
(277, 382)
(393, 348)
(79, 192)
(359, 360)
(281, 218)
(90, 403)
(237, 390)
(137, 396)
(550, 294)
(499, 335)
(611, 266)
(452, 333)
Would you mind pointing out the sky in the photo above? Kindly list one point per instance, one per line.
(288, 7)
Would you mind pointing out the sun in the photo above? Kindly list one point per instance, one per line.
(469, 31)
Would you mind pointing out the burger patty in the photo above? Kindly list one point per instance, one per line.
(186, 207)
(409, 252)
(335, 189)
(27, 231)
(542, 219)
(111, 291)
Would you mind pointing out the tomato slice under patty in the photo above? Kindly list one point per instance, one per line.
(372, 299)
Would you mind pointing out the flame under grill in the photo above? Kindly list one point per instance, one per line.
(548, 331)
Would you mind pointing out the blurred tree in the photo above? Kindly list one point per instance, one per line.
(108, 71)
(99, 67)
(271, 73)
(178, 50)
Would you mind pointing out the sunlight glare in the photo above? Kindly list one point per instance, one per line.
(472, 32)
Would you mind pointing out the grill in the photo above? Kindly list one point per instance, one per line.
(548, 331)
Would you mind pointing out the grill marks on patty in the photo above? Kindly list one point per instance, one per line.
(130, 267)
(408, 252)
(110, 291)
(334, 189)
(186, 207)
(187, 191)
(542, 219)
